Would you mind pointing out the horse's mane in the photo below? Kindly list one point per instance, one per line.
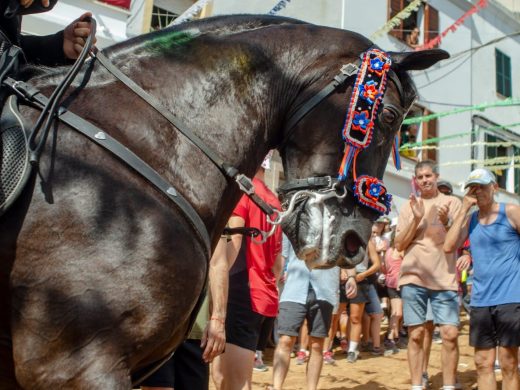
(216, 25)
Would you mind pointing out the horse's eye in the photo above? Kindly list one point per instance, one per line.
(388, 116)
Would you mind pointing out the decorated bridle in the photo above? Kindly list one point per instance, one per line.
(367, 93)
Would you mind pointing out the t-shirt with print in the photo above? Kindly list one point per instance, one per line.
(251, 279)
(425, 263)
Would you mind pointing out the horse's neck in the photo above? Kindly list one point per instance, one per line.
(234, 115)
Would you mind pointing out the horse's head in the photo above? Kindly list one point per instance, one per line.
(329, 222)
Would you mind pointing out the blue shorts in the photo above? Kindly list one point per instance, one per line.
(444, 305)
(373, 306)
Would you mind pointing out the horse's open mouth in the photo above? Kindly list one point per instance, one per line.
(352, 244)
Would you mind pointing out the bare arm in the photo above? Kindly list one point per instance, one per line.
(376, 262)
(406, 232)
(513, 215)
(460, 227)
(234, 245)
(278, 266)
(214, 338)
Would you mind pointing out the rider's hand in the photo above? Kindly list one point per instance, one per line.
(28, 3)
(213, 340)
(75, 35)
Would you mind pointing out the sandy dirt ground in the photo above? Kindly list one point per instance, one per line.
(373, 373)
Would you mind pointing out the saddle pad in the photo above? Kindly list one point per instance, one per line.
(15, 167)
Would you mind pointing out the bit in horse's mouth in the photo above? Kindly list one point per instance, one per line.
(352, 244)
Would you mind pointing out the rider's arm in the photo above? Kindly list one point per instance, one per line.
(44, 50)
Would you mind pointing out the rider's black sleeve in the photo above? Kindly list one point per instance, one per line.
(44, 50)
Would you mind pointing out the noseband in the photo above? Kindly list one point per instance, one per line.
(368, 91)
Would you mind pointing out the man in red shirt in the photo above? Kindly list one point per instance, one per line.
(253, 294)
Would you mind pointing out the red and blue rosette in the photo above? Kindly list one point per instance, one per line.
(371, 192)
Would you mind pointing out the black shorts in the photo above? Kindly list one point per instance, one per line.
(317, 313)
(184, 371)
(393, 293)
(493, 326)
(243, 326)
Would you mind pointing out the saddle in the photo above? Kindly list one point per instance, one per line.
(15, 168)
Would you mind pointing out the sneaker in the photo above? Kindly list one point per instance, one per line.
(352, 356)
(436, 339)
(401, 344)
(390, 347)
(365, 347)
(300, 357)
(343, 343)
(425, 380)
(259, 365)
(376, 351)
(328, 358)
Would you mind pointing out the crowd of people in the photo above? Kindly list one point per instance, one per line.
(413, 277)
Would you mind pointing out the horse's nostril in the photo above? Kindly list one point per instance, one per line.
(352, 244)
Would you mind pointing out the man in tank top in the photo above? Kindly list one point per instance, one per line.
(494, 233)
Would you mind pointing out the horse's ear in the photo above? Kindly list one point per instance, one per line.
(417, 60)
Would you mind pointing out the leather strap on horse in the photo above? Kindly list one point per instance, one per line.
(101, 138)
(245, 183)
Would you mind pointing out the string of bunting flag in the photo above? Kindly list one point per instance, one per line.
(434, 42)
(397, 19)
(434, 140)
(477, 107)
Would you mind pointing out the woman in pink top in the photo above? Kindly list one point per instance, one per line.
(391, 268)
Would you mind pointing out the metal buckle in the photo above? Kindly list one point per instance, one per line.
(245, 184)
(349, 69)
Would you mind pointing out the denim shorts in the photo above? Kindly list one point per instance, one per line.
(373, 306)
(444, 305)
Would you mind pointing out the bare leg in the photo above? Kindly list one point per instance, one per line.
(365, 328)
(449, 353)
(356, 313)
(375, 329)
(396, 305)
(508, 358)
(416, 352)
(427, 344)
(235, 368)
(343, 320)
(484, 362)
(282, 359)
(304, 336)
(315, 363)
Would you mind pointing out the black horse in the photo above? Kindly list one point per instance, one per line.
(99, 271)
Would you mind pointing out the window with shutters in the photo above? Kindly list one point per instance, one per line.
(495, 147)
(503, 73)
(425, 19)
